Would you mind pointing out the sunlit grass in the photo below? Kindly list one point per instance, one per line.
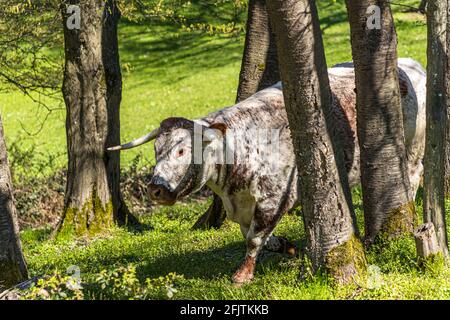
(168, 72)
(207, 260)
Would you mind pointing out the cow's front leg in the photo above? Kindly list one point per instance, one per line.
(257, 236)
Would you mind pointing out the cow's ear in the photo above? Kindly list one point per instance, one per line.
(214, 131)
(222, 127)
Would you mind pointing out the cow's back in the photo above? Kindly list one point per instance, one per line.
(265, 109)
(412, 84)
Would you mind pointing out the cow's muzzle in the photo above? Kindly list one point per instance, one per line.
(161, 195)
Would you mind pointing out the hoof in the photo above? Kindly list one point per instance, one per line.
(291, 249)
(241, 278)
(288, 247)
(245, 272)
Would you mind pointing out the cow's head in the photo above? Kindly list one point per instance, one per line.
(178, 172)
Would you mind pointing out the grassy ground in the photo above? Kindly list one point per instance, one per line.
(204, 261)
(168, 72)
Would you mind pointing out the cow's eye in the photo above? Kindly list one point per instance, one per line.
(180, 153)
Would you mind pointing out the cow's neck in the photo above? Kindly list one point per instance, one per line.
(217, 180)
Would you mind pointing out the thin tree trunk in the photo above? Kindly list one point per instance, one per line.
(447, 142)
(423, 6)
(92, 93)
(13, 268)
(426, 242)
(388, 205)
(113, 77)
(331, 235)
(214, 217)
(435, 147)
(259, 70)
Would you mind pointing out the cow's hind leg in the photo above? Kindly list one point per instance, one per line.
(416, 173)
(281, 245)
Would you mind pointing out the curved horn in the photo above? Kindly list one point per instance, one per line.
(140, 141)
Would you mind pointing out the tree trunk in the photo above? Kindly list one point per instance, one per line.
(259, 70)
(388, 205)
(214, 217)
(435, 147)
(13, 268)
(113, 77)
(423, 6)
(92, 93)
(331, 234)
(447, 142)
(426, 241)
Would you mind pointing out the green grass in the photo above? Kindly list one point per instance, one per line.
(168, 72)
(207, 259)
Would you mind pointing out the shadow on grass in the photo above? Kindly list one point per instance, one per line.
(173, 55)
(35, 236)
(161, 48)
(208, 264)
(335, 13)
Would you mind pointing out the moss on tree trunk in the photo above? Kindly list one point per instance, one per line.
(13, 268)
(436, 147)
(433, 264)
(399, 222)
(347, 261)
(93, 217)
(323, 181)
(383, 155)
(92, 90)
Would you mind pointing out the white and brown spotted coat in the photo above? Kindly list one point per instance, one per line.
(254, 194)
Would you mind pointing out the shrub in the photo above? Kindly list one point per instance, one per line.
(119, 284)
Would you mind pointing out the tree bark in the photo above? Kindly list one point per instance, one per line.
(423, 6)
(13, 268)
(435, 147)
(259, 70)
(426, 241)
(387, 200)
(331, 234)
(447, 142)
(214, 217)
(113, 79)
(92, 93)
